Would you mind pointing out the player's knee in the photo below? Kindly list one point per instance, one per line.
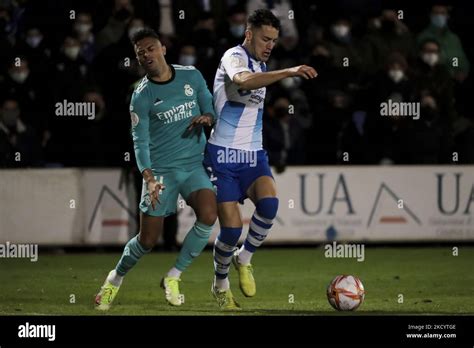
(209, 219)
(146, 242)
(207, 216)
(267, 207)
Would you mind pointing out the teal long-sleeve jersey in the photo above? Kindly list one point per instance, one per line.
(161, 112)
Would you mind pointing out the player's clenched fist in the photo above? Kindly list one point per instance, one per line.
(154, 190)
(304, 71)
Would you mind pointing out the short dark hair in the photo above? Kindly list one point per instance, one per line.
(144, 33)
(429, 40)
(262, 17)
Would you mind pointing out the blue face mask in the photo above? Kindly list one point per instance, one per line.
(439, 20)
(237, 30)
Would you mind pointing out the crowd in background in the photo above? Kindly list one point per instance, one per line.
(366, 52)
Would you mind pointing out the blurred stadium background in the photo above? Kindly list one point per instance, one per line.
(344, 172)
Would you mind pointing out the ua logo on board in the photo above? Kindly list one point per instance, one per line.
(188, 90)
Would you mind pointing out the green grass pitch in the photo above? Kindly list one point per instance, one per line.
(431, 280)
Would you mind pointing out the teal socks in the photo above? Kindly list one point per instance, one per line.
(132, 252)
(193, 244)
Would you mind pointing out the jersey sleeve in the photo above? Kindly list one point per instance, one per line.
(139, 112)
(204, 96)
(234, 62)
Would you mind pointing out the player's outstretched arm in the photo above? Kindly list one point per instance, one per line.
(249, 80)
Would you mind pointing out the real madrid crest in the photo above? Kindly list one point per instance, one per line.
(135, 119)
(188, 90)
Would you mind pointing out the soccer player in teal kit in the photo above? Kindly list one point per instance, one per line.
(168, 108)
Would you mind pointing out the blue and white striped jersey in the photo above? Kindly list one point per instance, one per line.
(239, 112)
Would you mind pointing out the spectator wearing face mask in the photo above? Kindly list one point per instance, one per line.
(36, 48)
(394, 79)
(70, 71)
(21, 82)
(402, 139)
(82, 27)
(187, 55)
(234, 30)
(390, 34)
(19, 144)
(450, 44)
(431, 75)
(342, 45)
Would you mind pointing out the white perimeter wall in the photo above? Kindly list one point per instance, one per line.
(403, 203)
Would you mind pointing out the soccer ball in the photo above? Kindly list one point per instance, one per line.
(346, 293)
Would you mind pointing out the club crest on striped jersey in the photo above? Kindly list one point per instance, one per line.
(237, 61)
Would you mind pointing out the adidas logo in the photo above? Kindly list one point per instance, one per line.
(158, 101)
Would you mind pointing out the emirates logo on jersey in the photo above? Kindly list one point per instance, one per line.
(188, 90)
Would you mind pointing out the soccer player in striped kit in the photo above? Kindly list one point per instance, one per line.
(235, 160)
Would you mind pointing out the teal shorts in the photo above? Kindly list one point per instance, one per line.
(176, 181)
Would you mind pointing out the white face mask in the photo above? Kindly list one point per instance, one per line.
(34, 41)
(187, 59)
(83, 28)
(133, 30)
(72, 52)
(430, 58)
(340, 30)
(291, 82)
(396, 75)
(19, 77)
